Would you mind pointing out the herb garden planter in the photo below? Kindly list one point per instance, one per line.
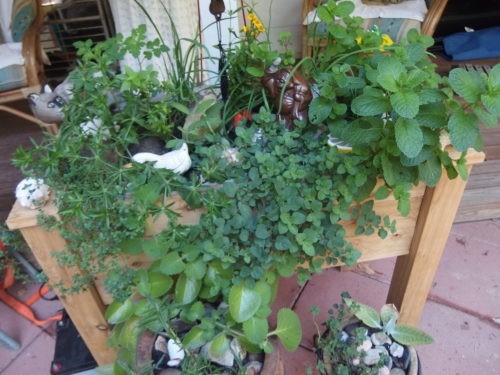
(418, 244)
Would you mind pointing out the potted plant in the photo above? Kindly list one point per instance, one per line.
(360, 340)
(271, 200)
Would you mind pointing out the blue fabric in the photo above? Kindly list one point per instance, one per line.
(12, 77)
(480, 44)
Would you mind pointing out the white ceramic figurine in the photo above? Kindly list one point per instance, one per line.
(32, 193)
(177, 161)
(175, 353)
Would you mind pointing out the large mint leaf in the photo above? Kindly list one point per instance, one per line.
(409, 137)
(319, 109)
(463, 128)
(405, 103)
(492, 103)
(362, 131)
(486, 118)
(432, 115)
(468, 84)
(494, 79)
(368, 105)
(430, 171)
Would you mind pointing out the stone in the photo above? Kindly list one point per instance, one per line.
(356, 361)
(380, 338)
(225, 359)
(237, 350)
(373, 356)
(259, 357)
(365, 346)
(344, 336)
(253, 368)
(161, 344)
(384, 370)
(396, 350)
(397, 371)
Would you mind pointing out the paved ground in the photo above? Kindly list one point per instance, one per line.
(459, 313)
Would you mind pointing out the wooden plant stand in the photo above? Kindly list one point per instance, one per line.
(418, 244)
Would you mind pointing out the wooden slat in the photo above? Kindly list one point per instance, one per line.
(414, 273)
(85, 308)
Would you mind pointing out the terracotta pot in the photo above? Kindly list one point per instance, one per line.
(273, 362)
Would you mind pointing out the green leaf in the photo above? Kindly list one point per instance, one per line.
(186, 289)
(368, 105)
(324, 14)
(131, 246)
(405, 103)
(388, 312)
(204, 105)
(256, 72)
(298, 218)
(409, 136)
(194, 338)
(387, 168)
(382, 192)
(262, 232)
(119, 312)
(407, 335)
(172, 264)
(344, 9)
(196, 270)
(243, 303)
(463, 128)
(468, 84)
(181, 108)
(147, 194)
(220, 344)
(486, 118)
(362, 131)
(365, 313)
(264, 289)
(492, 103)
(432, 115)
(288, 329)
(256, 329)
(230, 189)
(494, 78)
(319, 109)
(155, 285)
(430, 171)
(196, 311)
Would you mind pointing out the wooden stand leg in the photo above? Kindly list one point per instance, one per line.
(414, 273)
(85, 308)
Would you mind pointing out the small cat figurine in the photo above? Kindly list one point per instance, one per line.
(48, 105)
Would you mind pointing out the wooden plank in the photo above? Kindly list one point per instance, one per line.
(414, 273)
(85, 308)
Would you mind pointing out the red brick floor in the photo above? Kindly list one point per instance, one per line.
(460, 312)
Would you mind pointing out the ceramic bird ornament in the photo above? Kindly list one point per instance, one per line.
(32, 193)
(178, 161)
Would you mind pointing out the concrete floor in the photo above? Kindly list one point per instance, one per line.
(459, 314)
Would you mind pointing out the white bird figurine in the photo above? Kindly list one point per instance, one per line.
(32, 193)
(175, 353)
(178, 161)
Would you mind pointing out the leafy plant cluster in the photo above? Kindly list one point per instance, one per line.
(339, 355)
(279, 209)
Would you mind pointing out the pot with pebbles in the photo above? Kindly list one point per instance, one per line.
(358, 340)
(168, 358)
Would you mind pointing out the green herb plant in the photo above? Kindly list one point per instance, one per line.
(279, 209)
(340, 356)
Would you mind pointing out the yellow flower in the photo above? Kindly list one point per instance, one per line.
(261, 28)
(386, 40)
(257, 22)
(245, 29)
(256, 33)
(251, 16)
(359, 40)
